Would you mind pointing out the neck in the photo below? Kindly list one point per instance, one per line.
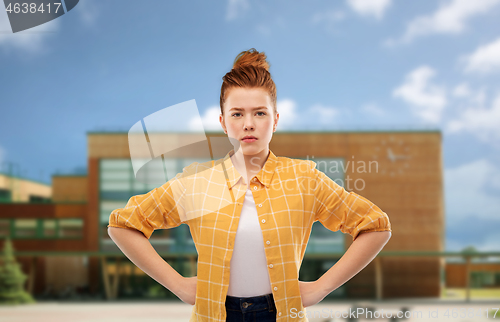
(249, 164)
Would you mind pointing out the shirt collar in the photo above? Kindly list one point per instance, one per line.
(264, 176)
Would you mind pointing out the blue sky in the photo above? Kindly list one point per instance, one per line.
(352, 64)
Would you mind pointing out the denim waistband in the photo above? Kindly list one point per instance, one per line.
(249, 304)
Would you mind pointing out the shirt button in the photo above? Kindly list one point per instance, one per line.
(275, 288)
(263, 221)
(254, 179)
(268, 242)
(255, 188)
(279, 313)
(270, 265)
(260, 205)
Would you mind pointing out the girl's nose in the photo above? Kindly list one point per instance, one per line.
(249, 123)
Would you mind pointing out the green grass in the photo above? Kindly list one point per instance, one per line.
(494, 314)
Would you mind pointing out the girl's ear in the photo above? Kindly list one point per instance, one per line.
(221, 120)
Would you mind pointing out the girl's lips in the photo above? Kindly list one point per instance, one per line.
(249, 140)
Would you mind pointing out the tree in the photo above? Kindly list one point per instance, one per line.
(469, 249)
(12, 279)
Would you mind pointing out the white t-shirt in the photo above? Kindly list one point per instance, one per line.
(248, 271)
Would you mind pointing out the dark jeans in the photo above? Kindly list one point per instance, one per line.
(251, 309)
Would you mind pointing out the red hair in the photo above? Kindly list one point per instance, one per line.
(250, 70)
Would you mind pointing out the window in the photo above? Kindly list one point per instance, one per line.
(49, 228)
(39, 199)
(117, 183)
(35, 228)
(323, 240)
(5, 195)
(25, 228)
(4, 227)
(497, 278)
(70, 228)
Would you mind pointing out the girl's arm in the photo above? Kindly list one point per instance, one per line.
(139, 250)
(361, 252)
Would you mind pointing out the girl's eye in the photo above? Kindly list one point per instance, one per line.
(237, 114)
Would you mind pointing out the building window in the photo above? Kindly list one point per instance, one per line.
(39, 199)
(5, 195)
(497, 279)
(25, 228)
(70, 228)
(41, 228)
(4, 227)
(118, 183)
(49, 228)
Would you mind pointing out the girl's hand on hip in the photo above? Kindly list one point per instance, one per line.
(311, 292)
(187, 292)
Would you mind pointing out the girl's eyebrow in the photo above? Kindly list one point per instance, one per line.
(254, 108)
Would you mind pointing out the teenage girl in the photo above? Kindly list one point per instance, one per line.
(250, 251)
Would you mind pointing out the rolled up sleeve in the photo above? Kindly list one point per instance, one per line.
(158, 209)
(338, 209)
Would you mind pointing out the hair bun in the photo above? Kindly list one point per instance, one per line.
(251, 57)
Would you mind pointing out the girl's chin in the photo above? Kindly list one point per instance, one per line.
(251, 150)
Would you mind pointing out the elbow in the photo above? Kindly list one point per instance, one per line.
(388, 236)
(110, 232)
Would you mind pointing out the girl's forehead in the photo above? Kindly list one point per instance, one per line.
(243, 92)
(248, 98)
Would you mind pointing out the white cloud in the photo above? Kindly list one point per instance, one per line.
(427, 100)
(236, 8)
(323, 114)
(479, 121)
(450, 18)
(374, 8)
(464, 93)
(209, 120)
(465, 191)
(288, 116)
(31, 40)
(485, 59)
(462, 90)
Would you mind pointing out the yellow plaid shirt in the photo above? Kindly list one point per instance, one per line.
(290, 195)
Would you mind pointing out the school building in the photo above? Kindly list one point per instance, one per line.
(59, 232)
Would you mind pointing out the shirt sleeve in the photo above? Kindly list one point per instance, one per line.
(161, 208)
(348, 212)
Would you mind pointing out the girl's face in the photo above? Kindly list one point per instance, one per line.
(249, 112)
